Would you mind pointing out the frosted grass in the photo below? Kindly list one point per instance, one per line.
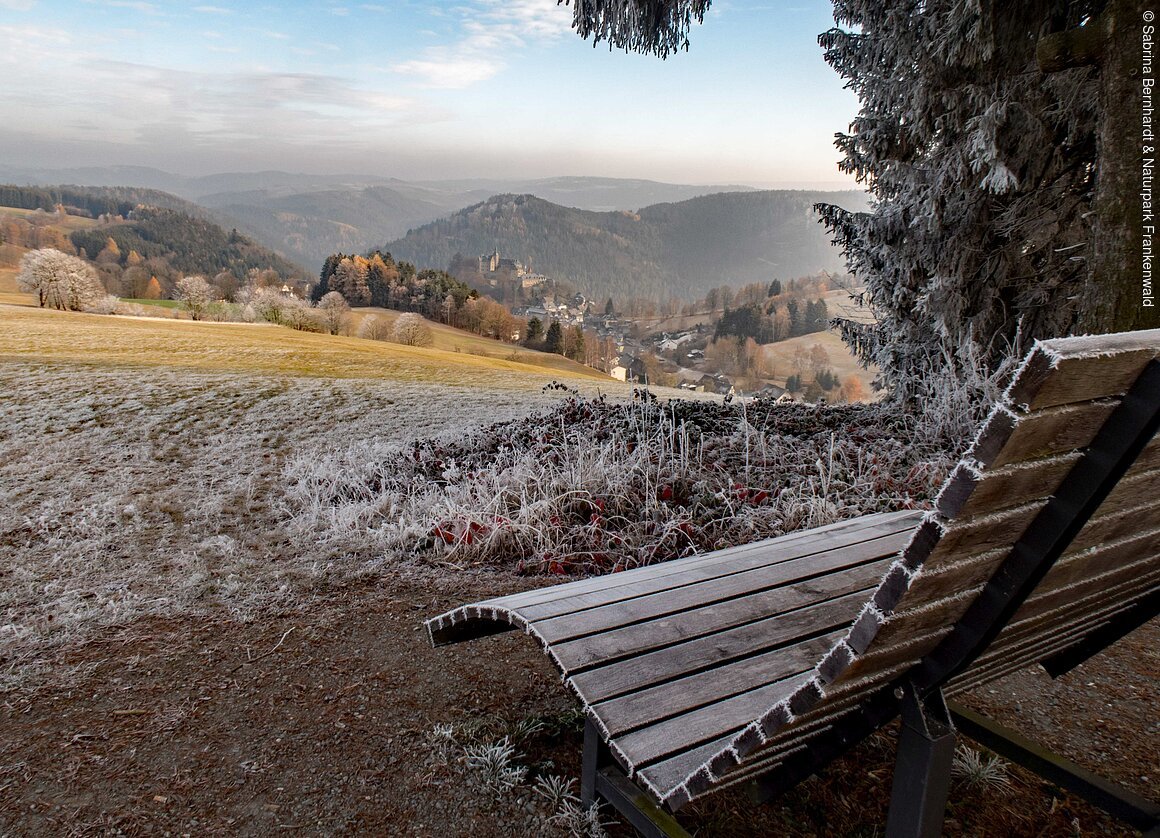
(131, 492)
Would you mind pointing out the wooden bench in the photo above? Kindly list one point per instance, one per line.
(762, 663)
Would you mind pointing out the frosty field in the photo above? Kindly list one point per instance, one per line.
(140, 460)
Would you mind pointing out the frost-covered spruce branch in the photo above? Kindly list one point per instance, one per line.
(594, 486)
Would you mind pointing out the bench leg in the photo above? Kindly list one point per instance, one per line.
(922, 769)
(592, 760)
(601, 779)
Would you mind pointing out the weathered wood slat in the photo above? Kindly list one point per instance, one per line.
(1054, 431)
(1064, 618)
(1090, 592)
(674, 697)
(970, 492)
(1018, 656)
(1134, 489)
(648, 745)
(643, 637)
(1128, 525)
(1021, 655)
(1078, 369)
(1074, 567)
(796, 736)
(723, 647)
(947, 579)
(842, 531)
(920, 621)
(706, 593)
(884, 657)
(766, 563)
(983, 534)
(671, 772)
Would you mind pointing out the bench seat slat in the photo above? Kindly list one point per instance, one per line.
(848, 528)
(1018, 654)
(1076, 369)
(970, 493)
(722, 647)
(1080, 558)
(653, 704)
(1025, 637)
(680, 733)
(775, 556)
(634, 639)
(1086, 596)
(1055, 431)
(706, 593)
(671, 771)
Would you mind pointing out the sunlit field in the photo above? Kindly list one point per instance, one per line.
(36, 335)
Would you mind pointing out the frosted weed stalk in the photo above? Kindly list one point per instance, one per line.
(594, 486)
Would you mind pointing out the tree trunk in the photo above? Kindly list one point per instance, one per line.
(1118, 266)
(1117, 299)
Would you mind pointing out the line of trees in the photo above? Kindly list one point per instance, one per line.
(378, 280)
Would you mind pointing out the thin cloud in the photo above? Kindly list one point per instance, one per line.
(134, 5)
(492, 30)
(212, 10)
(450, 73)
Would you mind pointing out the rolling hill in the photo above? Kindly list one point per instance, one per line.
(308, 217)
(169, 236)
(669, 249)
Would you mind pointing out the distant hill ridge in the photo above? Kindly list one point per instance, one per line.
(158, 226)
(307, 217)
(669, 249)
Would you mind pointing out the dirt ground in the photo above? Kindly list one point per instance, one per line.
(318, 721)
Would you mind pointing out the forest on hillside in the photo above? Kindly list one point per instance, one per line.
(666, 250)
(189, 245)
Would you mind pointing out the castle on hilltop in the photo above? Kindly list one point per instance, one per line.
(499, 272)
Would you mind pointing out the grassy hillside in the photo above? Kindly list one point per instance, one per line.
(32, 334)
(682, 248)
(842, 363)
(457, 341)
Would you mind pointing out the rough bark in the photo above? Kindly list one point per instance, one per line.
(1113, 42)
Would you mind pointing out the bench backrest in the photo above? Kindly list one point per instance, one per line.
(996, 510)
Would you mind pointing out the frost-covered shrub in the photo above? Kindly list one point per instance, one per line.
(300, 315)
(196, 295)
(333, 312)
(596, 487)
(412, 330)
(374, 327)
(107, 304)
(268, 304)
(59, 280)
(130, 309)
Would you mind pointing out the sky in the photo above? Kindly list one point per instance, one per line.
(417, 90)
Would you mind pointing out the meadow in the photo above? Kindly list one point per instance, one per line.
(140, 458)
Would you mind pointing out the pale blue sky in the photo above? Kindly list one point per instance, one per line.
(478, 88)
